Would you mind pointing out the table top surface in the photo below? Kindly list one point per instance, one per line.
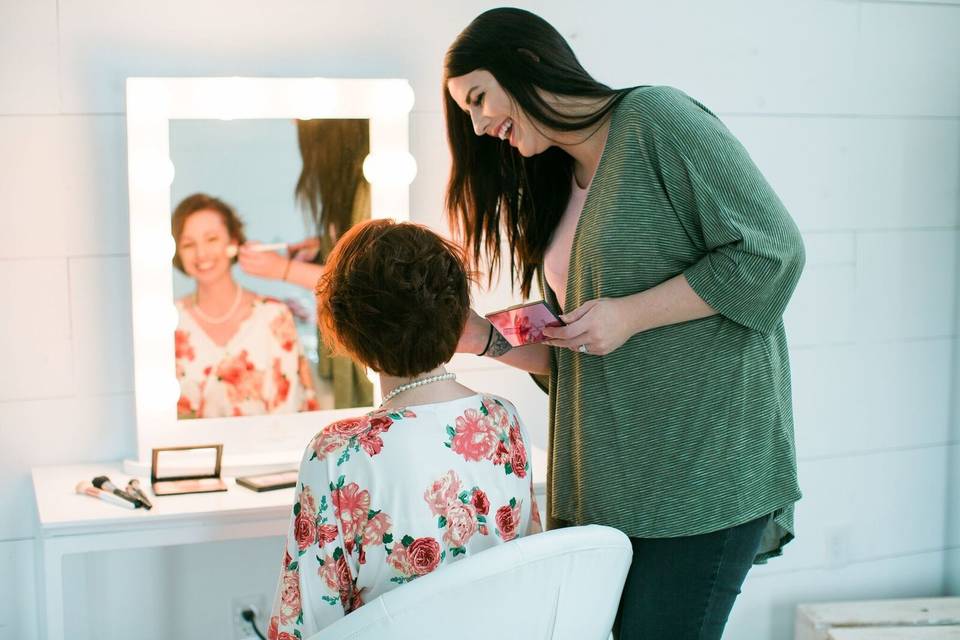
(62, 511)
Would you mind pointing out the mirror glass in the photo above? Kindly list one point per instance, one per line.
(246, 338)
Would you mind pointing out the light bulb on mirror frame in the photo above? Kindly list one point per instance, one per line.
(390, 168)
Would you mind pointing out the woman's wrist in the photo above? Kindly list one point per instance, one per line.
(634, 313)
(489, 340)
(476, 332)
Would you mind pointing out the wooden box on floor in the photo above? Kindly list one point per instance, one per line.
(913, 619)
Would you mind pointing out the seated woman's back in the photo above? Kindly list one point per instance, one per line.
(395, 494)
(438, 473)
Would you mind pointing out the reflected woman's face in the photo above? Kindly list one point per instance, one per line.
(203, 246)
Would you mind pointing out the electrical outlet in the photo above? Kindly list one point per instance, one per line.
(839, 543)
(241, 628)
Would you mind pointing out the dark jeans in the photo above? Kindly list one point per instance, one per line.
(684, 588)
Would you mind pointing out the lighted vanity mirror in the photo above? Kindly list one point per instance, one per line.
(228, 179)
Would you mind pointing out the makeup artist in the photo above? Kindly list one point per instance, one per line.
(672, 260)
(237, 353)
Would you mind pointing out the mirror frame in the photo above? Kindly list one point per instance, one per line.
(250, 442)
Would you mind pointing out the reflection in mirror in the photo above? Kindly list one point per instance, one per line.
(247, 260)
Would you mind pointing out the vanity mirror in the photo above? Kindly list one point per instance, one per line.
(230, 354)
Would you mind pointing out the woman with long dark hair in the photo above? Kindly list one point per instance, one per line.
(671, 260)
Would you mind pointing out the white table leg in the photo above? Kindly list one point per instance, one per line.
(51, 577)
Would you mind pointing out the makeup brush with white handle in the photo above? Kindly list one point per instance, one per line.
(233, 249)
(85, 487)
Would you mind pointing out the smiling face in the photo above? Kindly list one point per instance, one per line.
(494, 113)
(202, 246)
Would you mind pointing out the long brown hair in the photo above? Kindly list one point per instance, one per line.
(491, 184)
(333, 151)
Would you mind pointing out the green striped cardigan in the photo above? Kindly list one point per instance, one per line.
(688, 428)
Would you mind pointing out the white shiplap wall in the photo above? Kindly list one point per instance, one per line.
(852, 109)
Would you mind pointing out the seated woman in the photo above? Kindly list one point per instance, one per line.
(237, 353)
(437, 473)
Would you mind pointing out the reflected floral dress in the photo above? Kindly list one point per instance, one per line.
(260, 370)
(393, 495)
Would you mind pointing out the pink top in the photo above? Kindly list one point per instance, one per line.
(556, 260)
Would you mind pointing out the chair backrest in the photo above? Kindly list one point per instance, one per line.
(562, 585)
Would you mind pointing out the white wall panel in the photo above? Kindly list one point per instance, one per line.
(363, 39)
(906, 284)
(93, 152)
(752, 56)
(102, 329)
(32, 201)
(871, 397)
(908, 59)
(821, 310)
(28, 57)
(866, 507)
(849, 173)
(36, 351)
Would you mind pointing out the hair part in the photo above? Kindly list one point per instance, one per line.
(203, 202)
(395, 297)
(491, 186)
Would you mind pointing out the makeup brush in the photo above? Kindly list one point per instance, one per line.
(233, 249)
(86, 488)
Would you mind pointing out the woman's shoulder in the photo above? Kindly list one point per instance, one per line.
(356, 432)
(492, 400)
(641, 99)
(663, 107)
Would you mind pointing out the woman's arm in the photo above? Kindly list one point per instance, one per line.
(532, 358)
(273, 266)
(604, 324)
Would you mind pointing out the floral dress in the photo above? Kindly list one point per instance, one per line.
(390, 496)
(260, 370)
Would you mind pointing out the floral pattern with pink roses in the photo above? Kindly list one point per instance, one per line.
(414, 557)
(350, 435)
(508, 519)
(460, 513)
(489, 433)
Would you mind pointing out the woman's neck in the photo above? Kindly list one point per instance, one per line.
(217, 296)
(586, 149)
(425, 394)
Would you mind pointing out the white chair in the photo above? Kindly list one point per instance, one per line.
(562, 585)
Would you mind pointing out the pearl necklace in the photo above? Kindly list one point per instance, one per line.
(415, 384)
(219, 319)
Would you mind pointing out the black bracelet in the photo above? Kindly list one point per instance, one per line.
(489, 341)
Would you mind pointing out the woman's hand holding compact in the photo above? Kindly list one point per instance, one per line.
(596, 327)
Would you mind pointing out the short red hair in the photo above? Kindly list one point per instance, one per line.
(394, 296)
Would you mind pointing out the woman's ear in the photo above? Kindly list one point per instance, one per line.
(529, 54)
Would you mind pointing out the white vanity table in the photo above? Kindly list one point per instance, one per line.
(70, 523)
